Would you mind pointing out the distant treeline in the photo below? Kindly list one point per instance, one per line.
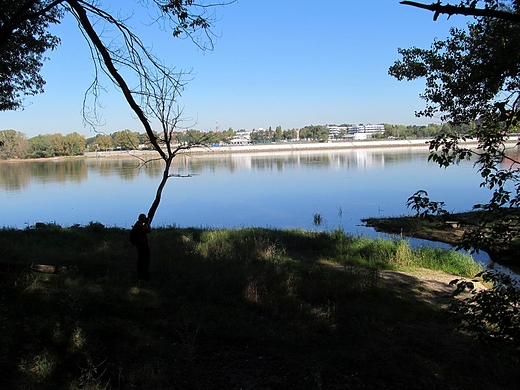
(428, 131)
(16, 145)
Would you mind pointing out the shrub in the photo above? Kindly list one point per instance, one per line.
(494, 313)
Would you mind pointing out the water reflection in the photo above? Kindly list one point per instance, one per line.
(277, 190)
(15, 176)
(282, 189)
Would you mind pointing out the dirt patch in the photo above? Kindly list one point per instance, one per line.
(428, 285)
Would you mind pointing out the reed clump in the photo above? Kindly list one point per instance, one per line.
(234, 308)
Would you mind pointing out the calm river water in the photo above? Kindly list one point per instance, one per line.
(280, 190)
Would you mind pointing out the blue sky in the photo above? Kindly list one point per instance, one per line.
(276, 62)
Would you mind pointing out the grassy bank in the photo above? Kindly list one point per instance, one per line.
(229, 309)
(449, 229)
(433, 228)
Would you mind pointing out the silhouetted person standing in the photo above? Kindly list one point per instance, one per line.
(141, 229)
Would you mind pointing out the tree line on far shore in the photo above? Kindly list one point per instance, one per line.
(16, 145)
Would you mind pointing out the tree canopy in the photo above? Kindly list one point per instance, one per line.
(473, 78)
(472, 74)
(24, 38)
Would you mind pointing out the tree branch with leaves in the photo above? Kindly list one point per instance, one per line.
(473, 77)
(465, 8)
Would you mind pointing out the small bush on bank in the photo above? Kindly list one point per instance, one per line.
(493, 314)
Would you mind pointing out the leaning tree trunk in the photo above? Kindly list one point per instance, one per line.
(167, 155)
(158, 194)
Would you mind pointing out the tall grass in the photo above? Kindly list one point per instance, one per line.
(301, 307)
(396, 253)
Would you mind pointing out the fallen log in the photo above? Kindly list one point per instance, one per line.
(48, 269)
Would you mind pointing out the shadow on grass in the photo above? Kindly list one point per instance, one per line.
(248, 308)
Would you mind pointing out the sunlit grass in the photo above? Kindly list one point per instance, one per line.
(453, 262)
(397, 254)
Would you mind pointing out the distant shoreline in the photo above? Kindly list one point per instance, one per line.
(282, 147)
(278, 147)
(291, 147)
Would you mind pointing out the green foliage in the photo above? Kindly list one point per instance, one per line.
(41, 146)
(193, 137)
(24, 38)
(74, 144)
(471, 86)
(449, 261)
(289, 134)
(261, 136)
(51, 145)
(423, 206)
(104, 142)
(465, 73)
(492, 314)
(262, 304)
(278, 133)
(428, 131)
(393, 254)
(13, 144)
(315, 133)
(186, 22)
(126, 139)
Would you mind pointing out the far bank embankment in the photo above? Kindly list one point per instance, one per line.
(290, 147)
(278, 147)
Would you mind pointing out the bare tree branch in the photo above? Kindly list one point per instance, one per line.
(82, 17)
(158, 85)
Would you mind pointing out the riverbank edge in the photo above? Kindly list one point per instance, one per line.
(268, 148)
(283, 147)
(243, 149)
(436, 228)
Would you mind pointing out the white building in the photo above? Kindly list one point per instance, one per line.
(355, 132)
(241, 138)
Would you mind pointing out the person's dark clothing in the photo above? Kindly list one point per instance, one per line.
(143, 250)
(143, 261)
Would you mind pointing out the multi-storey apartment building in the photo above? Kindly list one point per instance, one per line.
(355, 132)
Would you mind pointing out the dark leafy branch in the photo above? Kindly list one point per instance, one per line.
(24, 38)
(473, 77)
(28, 11)
(493, 314)
(466, 10)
